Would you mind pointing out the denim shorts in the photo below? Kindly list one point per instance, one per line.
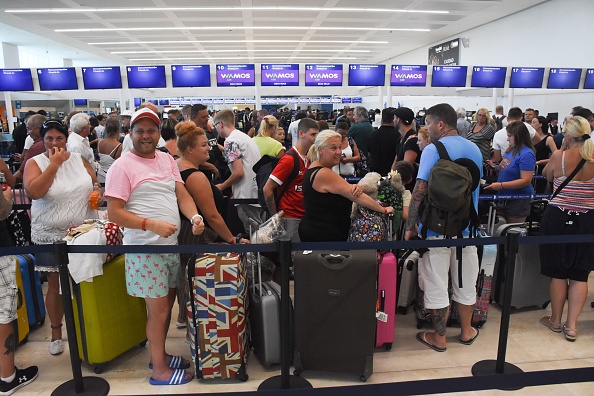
(514, 207)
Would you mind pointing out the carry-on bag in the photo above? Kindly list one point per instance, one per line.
(22, 323)
(218, 315)
(335, 297)
(407, 280)
(32, 289)
(108, 321)
(386, 299)
(531, 288)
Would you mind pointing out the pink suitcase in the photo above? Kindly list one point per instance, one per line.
(386, 299)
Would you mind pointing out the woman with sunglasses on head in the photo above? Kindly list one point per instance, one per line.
(59, 184)
(481, 132)
(570, 212)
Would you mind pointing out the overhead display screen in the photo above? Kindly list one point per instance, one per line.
(449, 76)
(102, 77)
(16, 80)
(190, 75)
(488, 77)
(408, 75)
(367, 75)
(323, 75)
(526, 77)
(280, 75)
(146, 76)
(57, 79)
(236, 75)
(560, 78)
(80, 102)
(589, 83)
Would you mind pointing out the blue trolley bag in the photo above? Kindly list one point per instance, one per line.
(32, 289)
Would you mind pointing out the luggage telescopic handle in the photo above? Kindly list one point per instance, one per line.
(334, 261)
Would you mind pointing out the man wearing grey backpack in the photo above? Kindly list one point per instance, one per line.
(438, 263)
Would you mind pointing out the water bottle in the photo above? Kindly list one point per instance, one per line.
(94, 201)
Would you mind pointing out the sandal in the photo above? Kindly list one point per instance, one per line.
(546, 320)
(570, 334)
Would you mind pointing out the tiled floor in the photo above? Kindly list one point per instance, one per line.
(531, 346)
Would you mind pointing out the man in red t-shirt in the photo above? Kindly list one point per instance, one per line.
(291, 200)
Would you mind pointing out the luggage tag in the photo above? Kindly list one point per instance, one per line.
(380, 314)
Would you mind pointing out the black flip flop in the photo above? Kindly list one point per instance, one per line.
(422, 340)
(470, 341)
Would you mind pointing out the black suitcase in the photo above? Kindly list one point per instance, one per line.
(335, 298)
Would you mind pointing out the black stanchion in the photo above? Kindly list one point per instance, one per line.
(79, 385)
(500, 366)
(285, 380)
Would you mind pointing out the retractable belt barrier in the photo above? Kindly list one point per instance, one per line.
(500, 380)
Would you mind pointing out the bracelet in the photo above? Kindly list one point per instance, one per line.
(385, 211)
(193, 217)
(143, 225)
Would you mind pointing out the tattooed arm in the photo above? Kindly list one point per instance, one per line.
(418, 195)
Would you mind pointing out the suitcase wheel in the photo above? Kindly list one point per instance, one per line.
(296, 373)
(242, 374)
(98, 369)
(388, 346)
(363, 378)
(142, 344)
(545, 305)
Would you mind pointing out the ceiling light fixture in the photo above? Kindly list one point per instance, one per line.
(239, 41)
(209, 9)
(239, 60)
(232, 51)
(141, 29)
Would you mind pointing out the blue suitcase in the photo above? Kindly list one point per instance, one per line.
(32, 288)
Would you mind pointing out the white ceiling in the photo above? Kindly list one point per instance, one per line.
(189, 34)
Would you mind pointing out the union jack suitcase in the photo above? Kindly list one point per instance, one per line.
(218, 315)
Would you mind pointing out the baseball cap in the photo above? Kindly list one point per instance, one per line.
(145, 113)
(405, 114)
(126, 113)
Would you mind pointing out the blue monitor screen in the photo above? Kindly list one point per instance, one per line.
(408, 75)
(16, 80)
(526, 77)
(589, 83)
(153, 101)
(323, 75)
(136, 102)
(488, 77)
(280, 75)
(564, 78)
(80, 102)
(102, 77)
(146, 76)
(367, 75)
(57, 79)
(449, 76)
(236, 75)
(190, 75)
(164, 102)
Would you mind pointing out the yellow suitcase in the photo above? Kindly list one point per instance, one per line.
(22, 322)
(112, 321)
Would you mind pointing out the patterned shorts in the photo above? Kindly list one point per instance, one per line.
(151, 275)
(8, 289)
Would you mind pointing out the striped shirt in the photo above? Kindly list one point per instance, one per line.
(576, 196)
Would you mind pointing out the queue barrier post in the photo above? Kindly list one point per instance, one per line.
(79, 385)
(285, 380)
(500, 366)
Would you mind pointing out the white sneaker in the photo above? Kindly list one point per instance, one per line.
(56, 347)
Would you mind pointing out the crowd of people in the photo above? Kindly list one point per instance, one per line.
(166, 181)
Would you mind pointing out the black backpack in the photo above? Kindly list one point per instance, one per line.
(448, 208)
(498, 122)
(264, 167)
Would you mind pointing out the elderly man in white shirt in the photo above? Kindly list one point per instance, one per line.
(77, 140)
